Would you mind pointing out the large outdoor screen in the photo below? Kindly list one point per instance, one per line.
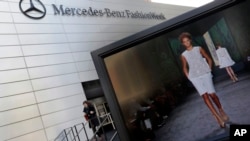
(156, 99)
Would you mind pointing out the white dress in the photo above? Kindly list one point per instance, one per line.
(197, 64)
(224, 58)
(199, 71)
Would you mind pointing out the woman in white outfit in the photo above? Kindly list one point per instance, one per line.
(225, 61)
(197, 68)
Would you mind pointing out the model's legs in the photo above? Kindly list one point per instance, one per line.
(213, 110)
(230, 74)
(216, 100)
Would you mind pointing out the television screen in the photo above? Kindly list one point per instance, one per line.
(189, 82)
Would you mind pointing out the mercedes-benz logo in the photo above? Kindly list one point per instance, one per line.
(35, 11)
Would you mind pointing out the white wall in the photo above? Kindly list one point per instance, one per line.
(43, 62)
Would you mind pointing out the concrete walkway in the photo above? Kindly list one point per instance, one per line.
(192, 120)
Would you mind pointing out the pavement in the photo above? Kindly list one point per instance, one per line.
(192, 120)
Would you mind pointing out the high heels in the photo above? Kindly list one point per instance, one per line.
(220, 121)
(223, 115)
(236, 79)
(233, 79)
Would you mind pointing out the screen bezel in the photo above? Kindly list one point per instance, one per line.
(100, 54)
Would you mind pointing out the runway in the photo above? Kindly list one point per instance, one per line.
(192, 120)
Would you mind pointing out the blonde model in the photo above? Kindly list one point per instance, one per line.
(225, 61)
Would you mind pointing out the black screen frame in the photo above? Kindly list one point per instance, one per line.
(100, 54)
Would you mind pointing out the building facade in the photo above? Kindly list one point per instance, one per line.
(44, 57)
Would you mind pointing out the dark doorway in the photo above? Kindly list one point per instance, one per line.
(92, 89)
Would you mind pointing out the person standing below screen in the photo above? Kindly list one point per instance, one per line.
(197, 68)
(225, 61)
(91, 117)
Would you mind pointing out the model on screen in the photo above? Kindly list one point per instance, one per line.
(197, 68)
(225, 61)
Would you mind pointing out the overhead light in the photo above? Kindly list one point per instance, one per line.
(189, 3)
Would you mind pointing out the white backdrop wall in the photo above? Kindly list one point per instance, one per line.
(43, 62)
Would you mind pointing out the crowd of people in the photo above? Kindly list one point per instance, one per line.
(151, 114)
